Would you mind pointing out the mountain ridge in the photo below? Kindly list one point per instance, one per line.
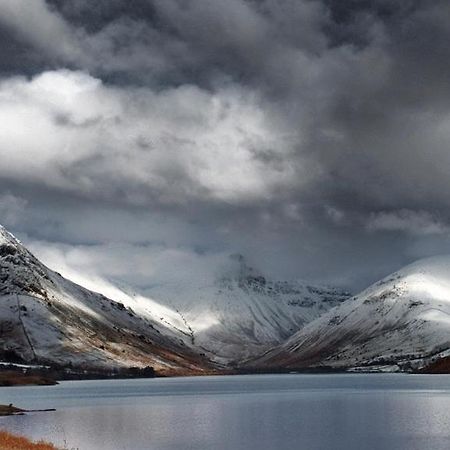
(209, 326)
(401, 323)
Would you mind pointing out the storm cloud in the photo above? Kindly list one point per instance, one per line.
(312, 136)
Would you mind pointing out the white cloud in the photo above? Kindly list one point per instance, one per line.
(100, 267)
(68, 131)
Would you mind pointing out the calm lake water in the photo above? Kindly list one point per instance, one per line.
(262, 412)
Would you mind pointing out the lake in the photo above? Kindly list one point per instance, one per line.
(254, 412)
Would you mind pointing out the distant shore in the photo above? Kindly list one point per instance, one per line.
(14, 378)
(16, 375)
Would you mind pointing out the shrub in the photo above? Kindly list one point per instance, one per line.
(9, 441)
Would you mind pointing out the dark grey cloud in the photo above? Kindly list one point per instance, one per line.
(311, 135)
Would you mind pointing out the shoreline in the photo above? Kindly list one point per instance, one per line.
(14, 376)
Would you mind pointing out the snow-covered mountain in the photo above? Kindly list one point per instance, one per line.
(45, 317)
(48, 319)
(400, 323)
(242, 313)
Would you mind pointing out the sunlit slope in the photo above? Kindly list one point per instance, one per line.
(48, 319)
(401, 323)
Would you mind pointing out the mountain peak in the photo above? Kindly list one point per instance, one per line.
(6, 237)
(20, 272)
(13, 251)
(435, 265)
(240, 270)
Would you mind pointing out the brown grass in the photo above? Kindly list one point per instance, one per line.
(441, 366)
(9, 441)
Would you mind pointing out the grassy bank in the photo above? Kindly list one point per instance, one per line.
(9, 441)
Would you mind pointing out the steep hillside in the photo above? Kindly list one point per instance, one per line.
(399, 323)
(47, 319)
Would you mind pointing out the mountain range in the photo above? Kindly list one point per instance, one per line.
(239, 320)
(47, 319)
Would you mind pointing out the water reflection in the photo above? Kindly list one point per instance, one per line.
(236, 413)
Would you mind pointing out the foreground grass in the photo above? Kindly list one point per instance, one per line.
(9, 441)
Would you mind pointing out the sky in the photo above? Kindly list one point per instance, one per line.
(146, 141)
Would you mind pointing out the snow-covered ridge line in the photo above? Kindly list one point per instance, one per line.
(7, 238)
(403, 321)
